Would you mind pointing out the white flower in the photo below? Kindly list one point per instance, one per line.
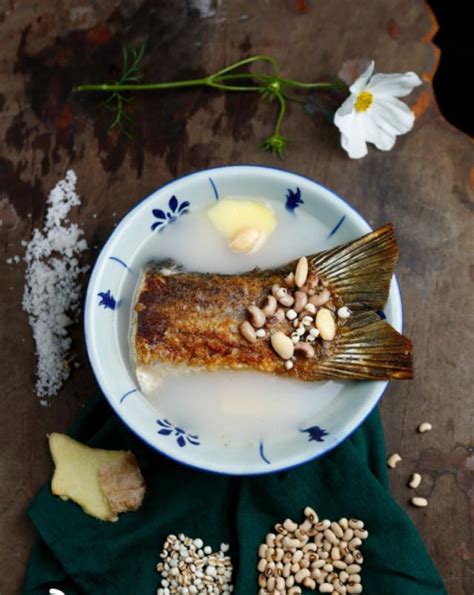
(373, 114)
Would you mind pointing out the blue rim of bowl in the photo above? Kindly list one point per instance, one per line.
(88, 301)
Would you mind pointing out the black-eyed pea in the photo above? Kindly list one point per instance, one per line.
(354, 543)
(326, 588)
(331, 537)
(349, 559)
(356, 524)
(310, 547)
(337, 530)
(297, 556)
(317, 564)
(343, 576)
(339, 564)
(262, 581)
(354, 578)
(335, 553)
(289, 543)
(361, 533)
(295, 568)
(323, 525)
(315, 573)
(348, 534)
(305, 563)
(248, 332)
(328, 567)
(301, 575)
(353, 569)
(280, 584)
(327, 546)
(270, 553)
(301, 299)
(256, 316)
(354, 588)
(262, 564)
(271, 582)
(279, 553)
(358, 557)
(339, 587)
(262, 550)
(306, 526)
(343, 522)
(294, 591)
(311, 515)
(309, 583)
(290, 581)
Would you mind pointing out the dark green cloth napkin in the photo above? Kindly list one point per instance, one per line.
(79, 554)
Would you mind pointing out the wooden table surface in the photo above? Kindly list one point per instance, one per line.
(424, 186)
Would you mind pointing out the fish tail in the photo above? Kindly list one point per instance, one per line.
(368, 348)
(360, 272)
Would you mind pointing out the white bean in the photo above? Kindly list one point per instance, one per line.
(291, 314)
(419, 502)
(425, 427)
(283, 346)
(289, 364)
(415, 480)
(260, 333)
(301, 272)
(393, 460)
(325, 324)
(311, 308)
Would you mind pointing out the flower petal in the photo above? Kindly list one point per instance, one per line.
(353, 137)
(362, 81)
(346, 108)
(377, 135)
(392, 115)
(395, 85)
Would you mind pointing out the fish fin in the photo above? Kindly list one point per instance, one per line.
(360, 272)
(368, 348)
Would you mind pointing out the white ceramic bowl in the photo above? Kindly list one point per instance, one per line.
(225, 439)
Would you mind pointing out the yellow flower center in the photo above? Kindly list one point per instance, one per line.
(363, 101)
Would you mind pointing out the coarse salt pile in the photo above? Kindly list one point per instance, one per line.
(52, 290)
(189, 567)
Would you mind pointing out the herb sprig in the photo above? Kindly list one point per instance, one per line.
(271, 86)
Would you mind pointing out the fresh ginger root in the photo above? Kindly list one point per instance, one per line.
(102, 482)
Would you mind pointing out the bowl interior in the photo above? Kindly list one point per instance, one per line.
(230, 428)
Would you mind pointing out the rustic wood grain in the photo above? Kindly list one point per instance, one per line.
(425, 186)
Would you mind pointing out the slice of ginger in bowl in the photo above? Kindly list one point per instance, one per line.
(246, 224)
(103, 482)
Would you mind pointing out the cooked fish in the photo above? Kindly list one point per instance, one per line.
(190, 321)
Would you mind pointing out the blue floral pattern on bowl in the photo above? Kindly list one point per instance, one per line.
(107, 300)
(175, 210)
(182, 437)
(315, 433)
(293, 199)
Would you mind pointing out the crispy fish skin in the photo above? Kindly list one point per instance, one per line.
(192, 319)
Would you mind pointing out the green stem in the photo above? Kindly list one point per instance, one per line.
(143, 86)
(246, 61)
(281, 113)
(299, 85)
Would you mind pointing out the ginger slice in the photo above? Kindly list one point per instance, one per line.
(76, 476)
(122, 483)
